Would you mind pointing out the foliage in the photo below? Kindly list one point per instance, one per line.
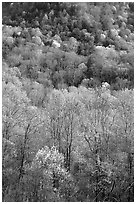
(68, 102)
(70, 28)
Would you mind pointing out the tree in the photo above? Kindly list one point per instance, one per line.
(63, 127)
(20, 122)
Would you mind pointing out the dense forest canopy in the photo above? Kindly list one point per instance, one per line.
(67, 106)
(101, 35)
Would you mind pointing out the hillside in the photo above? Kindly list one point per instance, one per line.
(80, 33)
(67, 102)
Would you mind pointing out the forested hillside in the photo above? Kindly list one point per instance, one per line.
(67, 104)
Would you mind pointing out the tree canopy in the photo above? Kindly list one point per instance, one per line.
(68, 101)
